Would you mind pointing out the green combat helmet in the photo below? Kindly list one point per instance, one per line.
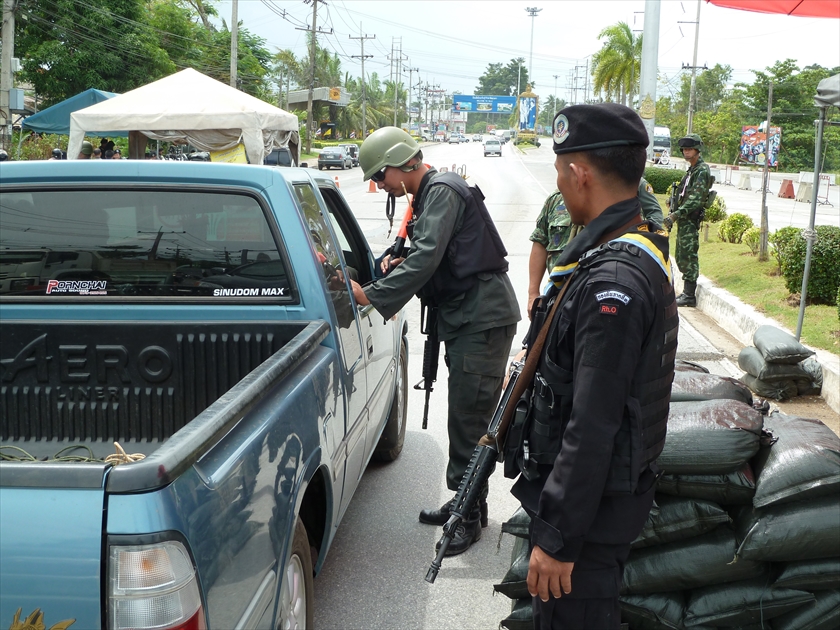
(388, 146)
(691, 141)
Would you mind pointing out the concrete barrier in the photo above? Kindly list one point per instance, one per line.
(744, 182)
(786, 189)
(806, 190)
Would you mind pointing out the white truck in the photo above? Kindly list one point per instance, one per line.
(661, 145)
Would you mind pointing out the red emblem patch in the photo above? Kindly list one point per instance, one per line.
(608, 309)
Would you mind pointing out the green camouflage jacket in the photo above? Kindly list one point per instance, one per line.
(693, 190)
(554, 228)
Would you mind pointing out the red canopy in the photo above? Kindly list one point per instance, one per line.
(801, 8)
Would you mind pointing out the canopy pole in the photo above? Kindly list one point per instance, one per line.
(810, 233)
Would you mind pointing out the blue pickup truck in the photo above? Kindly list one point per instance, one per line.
(198, 315)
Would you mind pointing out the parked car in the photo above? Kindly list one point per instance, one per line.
(279, 157)
(454, 138)
(492, 147)
(476, 137)
(334, 156)
(353, 150)
(203, 320)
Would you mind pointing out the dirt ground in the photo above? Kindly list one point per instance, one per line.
(803, 406)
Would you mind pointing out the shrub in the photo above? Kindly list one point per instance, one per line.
(733, 227)
(661, 178)
(752, 238)
(824, 276)
(717, 212)
(781, 240)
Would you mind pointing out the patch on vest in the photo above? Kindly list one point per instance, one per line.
(608, 309)
(613, 295)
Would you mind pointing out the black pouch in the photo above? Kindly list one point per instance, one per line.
(517, 435)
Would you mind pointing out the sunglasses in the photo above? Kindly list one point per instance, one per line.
(379, 176)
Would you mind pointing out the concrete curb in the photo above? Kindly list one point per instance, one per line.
(741, 321)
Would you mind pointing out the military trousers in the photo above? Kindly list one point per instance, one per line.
(477, 363)
(688, 246)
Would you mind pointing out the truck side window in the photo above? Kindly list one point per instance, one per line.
(356, 256)
(139, 243)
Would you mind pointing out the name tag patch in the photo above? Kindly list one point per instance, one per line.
(608, 309)
(612, 295)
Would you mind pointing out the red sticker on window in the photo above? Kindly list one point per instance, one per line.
(608, 309)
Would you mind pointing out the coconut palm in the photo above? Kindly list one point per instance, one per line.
(616, 67)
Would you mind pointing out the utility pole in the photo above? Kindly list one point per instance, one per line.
(556, 76)
(532, 11)
(7, 34)
(691, 103)
(410, 85)
(234, 42)
(765, 181)
(363, 56)
(647, 82)
(314, 30)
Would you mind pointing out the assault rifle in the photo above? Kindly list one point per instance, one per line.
(431, 353)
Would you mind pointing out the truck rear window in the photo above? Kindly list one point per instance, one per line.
(137, 243)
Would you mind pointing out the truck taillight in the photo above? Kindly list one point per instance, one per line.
(153, 587)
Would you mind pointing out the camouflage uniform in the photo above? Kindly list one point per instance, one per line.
(693, 190)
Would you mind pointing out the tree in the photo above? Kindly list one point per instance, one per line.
(549, 108)
(709, 88)
(499, 80)
(617, 66)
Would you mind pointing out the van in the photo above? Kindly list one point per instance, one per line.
(661, 145)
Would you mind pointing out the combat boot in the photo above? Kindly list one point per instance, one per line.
(440, 515)
(467, 533)
(687, 298)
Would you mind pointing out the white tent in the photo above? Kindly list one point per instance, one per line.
(189, 106)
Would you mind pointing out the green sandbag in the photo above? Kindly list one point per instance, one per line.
(750, 601)
(803, 463)
(811, 575)
(823, 615)
(518, 524)
(658, 611)
(804, 530)
(677, 519)
(735, 488)
(689, 385)
(751, 361)
(778, 390)
(777, 346)
(710, 437)
(686, 564)
(521, 615)
(807, 388)
(514, 583)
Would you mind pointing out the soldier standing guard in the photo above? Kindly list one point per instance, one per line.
(693, 190)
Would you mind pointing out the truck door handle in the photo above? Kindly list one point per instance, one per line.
(369, 341)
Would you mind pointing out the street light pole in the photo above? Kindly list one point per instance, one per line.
(555, 94)
(532, 11)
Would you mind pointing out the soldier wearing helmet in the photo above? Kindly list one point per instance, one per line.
(3, 155)
(456, 263)
(57, 154)
(692, 194)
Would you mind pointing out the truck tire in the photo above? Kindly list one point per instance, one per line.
(393, 437)
(296, 606)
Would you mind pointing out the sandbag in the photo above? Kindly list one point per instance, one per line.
(514, 583)
(810, 575)
(686, 564)
(681, 365)
(678, 518)
(807, 388)
(741, 603)
(803, 463)
(777, 346)
(814, 370)
(518, 524)
(778, 390)
(804, 530)
(521, 615)
(751, 361)
(698, 386)
(735, 488)
(659, 611)
(710, 437)
(823, 615)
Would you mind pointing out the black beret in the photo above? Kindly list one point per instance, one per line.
(589, 127)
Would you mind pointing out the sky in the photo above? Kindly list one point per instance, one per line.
(452, 42)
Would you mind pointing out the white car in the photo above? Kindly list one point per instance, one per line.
(492, 147)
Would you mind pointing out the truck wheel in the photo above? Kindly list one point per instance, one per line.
(393, 437)
(296, 606)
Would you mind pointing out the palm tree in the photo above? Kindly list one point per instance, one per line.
(616, 67)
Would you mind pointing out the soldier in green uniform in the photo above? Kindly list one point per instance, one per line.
(691, 202)
(457, 263)
(554, 230)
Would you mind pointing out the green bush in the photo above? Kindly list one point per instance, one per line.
(824, 276)
(717, 212)
(781, 240)
(752, 238)
(732, 228)
(661, 178)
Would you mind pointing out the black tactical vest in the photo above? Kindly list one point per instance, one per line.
(475, 248)
(641, 437)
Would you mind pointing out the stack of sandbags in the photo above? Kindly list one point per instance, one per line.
(779, 367)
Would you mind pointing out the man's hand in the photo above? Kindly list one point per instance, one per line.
(531, 298)
(668, 222)
(547, 575)
(387, 263)
(359, 294)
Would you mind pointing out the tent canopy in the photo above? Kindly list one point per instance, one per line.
(56, 119)
(190, 107)
(801, 8)
(828, 92)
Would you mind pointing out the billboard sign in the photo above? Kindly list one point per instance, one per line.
(754, 145)
(527, 113)
(483, 104)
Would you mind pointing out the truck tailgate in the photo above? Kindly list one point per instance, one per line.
(50, 555)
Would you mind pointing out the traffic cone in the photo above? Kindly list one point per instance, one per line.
(372, 187)
(337, 185)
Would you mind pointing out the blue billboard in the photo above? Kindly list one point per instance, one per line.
(483, 104)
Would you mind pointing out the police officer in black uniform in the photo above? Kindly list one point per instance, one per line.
(599, 403)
